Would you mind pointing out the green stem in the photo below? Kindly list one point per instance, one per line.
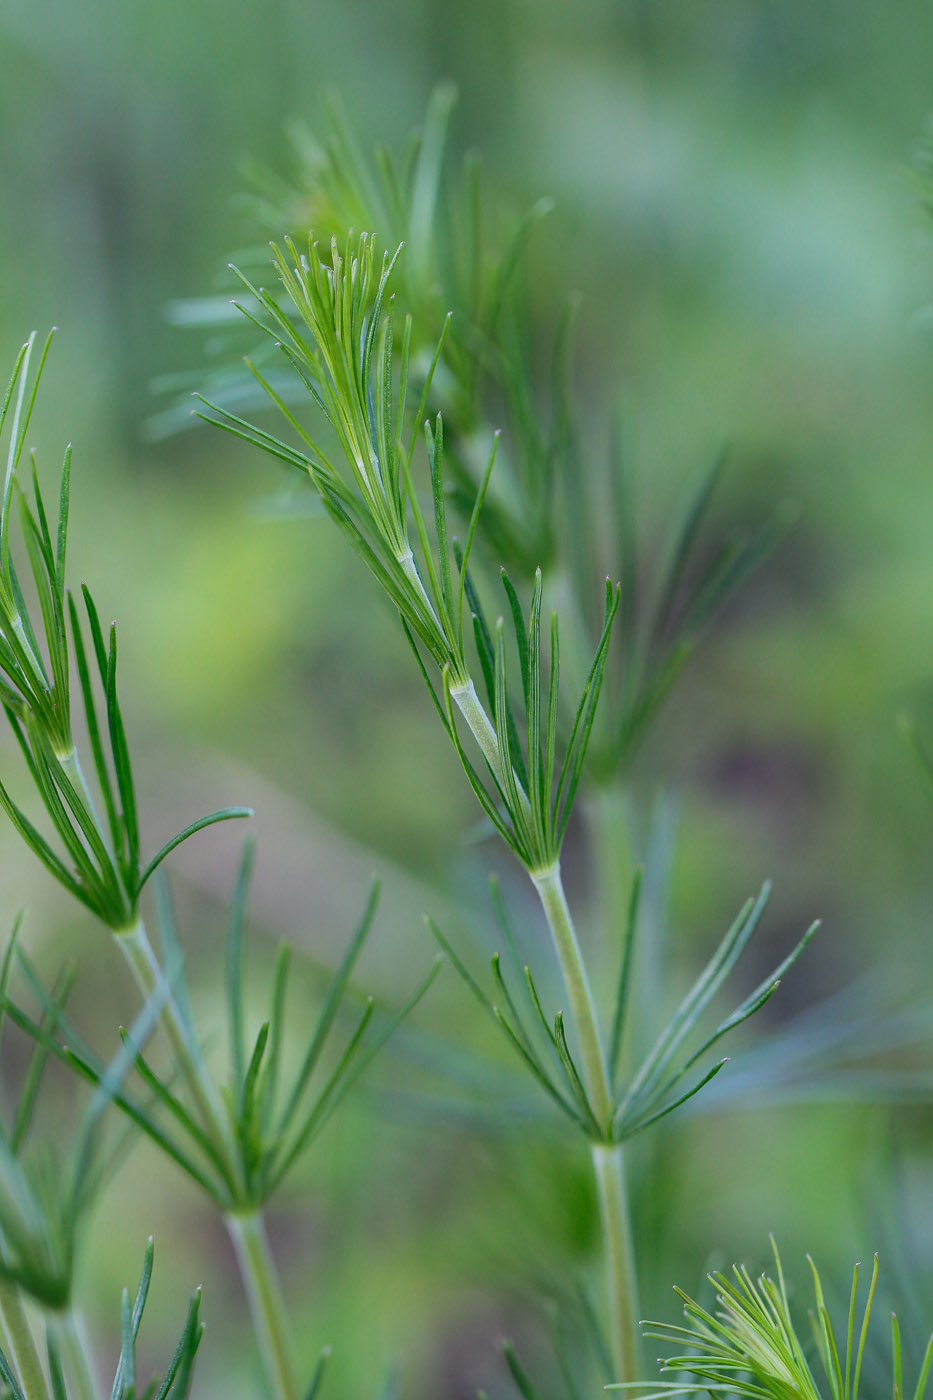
(71, 766)
(136, 948)
(608, 1163)
(550, 890)
(76, 1349)
(481, 727)
(266, 1305)
(468, 703)
(622, 1285)
(22, 1349)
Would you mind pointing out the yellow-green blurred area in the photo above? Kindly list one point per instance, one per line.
(734, 206)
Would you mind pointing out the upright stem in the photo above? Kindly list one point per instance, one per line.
(621, 1281)
(22, 1348)
(608, 1158)
(468, 703)
(266, 1305)
(136, 948)
(71, 765)
(608, 1161)
(76, 1349)
(550, 889)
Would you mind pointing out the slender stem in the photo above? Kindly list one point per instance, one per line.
(609, 1168)
(266, 1305)
(468, 703)
(550, 890)
(136, 948)
(22, 1348)
(71, 765)
(481, 727)
(608, 1164)
(79, 1359)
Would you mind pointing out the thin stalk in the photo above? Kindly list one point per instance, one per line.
(71, 765)
(136, 948)
(480, 725)
(266, 1304)
(622, 1285)
(76, 1350)
(464, 695)
(608, 1165)
(550, 890)
(22, 1348)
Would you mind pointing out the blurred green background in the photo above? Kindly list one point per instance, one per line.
(733, 204)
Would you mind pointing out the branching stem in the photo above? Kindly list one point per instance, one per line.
(608, 1164)
(144, 965)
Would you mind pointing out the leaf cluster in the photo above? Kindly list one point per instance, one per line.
(750, 1347)
(677, 1065)
(98, 860)
(268, 1124)
(173, 1385)
(343, 309)
(466, 256)
(48, 1187)
(667, 605)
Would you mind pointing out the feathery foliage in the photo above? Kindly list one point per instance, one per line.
(662, 1082)
(99, 861)
(268, 1124)
(751, 1347)
(174, 1384)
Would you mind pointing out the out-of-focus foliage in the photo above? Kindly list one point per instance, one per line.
(752, 267)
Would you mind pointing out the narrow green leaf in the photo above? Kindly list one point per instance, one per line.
(225, 814)
(518, 623)
(629, 1129)
(234, 962)
(312, 1392)
(625, 974)
(332, 1001)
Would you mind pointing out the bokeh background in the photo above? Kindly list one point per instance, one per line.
(734, 203)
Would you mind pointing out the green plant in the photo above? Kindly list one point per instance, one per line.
(425, 425)
(236, 1140)
(269, 1124)
(336, 332)
(750, 1346)
(24, 1380)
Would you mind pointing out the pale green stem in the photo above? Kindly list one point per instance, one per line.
(136, 948)
(621, 1281)
(22, 1349)
(468, 703)
(550, 890)
(266, 1305)
(608, 1163)
(464, 696)
(71, 765)
(78, 1355)
(410, 570)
